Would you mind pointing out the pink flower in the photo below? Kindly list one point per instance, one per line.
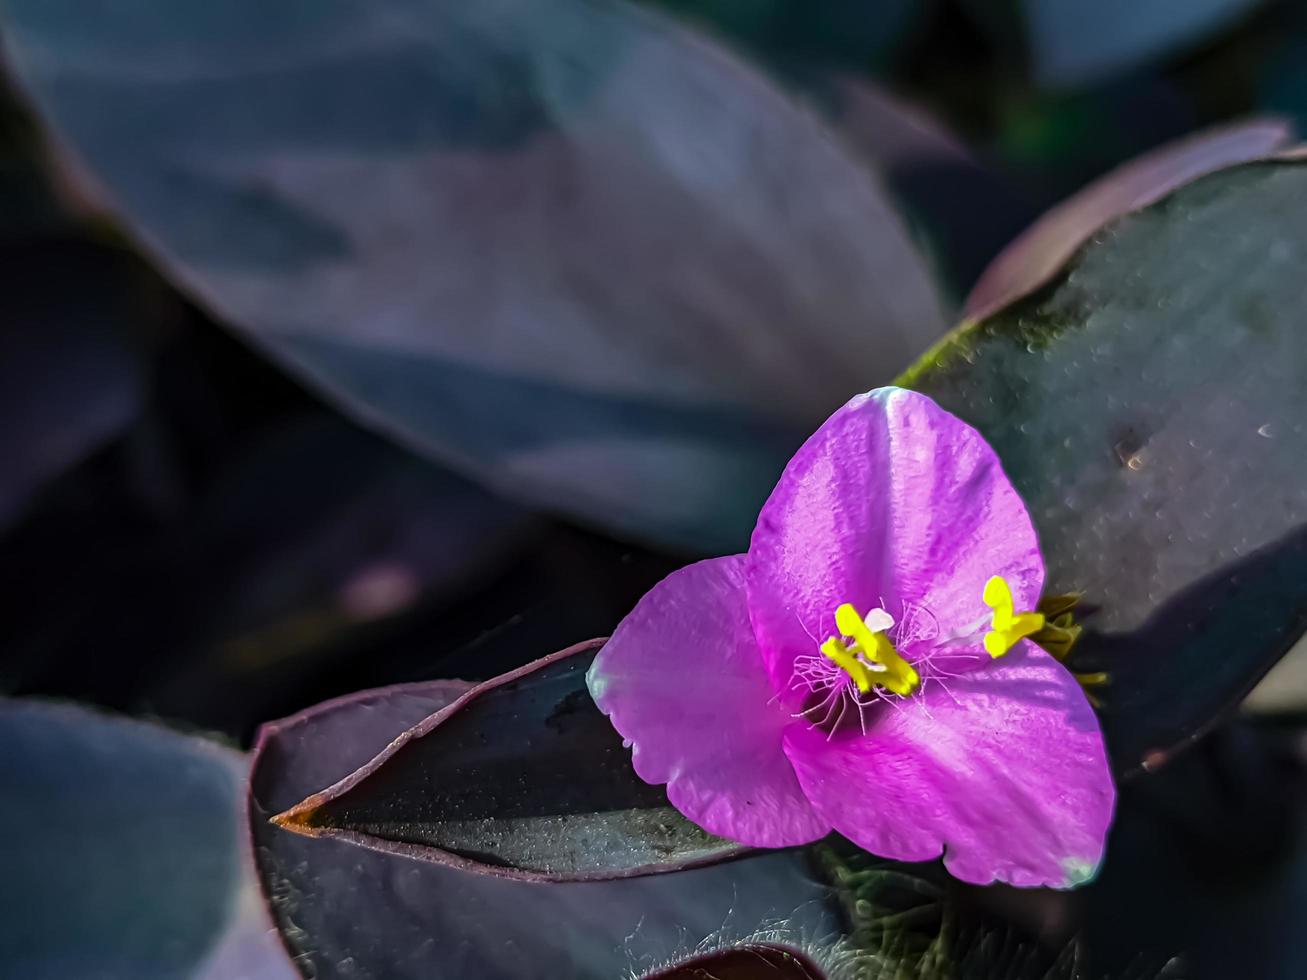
(863, 667)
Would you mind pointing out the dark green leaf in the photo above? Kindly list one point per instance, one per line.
(1151, 406)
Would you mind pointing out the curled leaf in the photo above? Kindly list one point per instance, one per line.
(522, 776)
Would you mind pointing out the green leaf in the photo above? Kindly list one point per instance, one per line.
(1150, 403)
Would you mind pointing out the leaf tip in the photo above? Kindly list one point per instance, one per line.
(300, 818)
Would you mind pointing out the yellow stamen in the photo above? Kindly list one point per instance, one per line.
(872, 658)
(1007, 626)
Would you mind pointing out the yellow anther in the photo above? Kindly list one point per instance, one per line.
(835, 649)
(872, 658)
(1007, 626)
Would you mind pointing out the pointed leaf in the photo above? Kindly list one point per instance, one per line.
(350, 913)
(566, 247)
(122, 853)
(1149, 406)
(522, 776)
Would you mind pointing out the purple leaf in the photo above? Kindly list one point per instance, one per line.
(521, 777)
(350, 912)
(760, 961)
(566, 247)
(1042, 249)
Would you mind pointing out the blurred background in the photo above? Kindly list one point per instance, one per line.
(193, 530)
(349, 346)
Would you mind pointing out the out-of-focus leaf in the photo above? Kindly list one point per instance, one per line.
(34, 202)
(1282, 76)
(1043, 248)
(298, 554)
(123, 855)
(1206, 867)
(1149, 404)
(829, 33)
(965, 211)
(1074, 43)
(1284, 689)
(566, 247)
(1053, 144)
(349, 912)
(69, 379)
(747, 961)
(523, 777)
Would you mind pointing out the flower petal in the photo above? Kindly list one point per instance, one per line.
(682, 680)
(892, 503)
(1004, 770)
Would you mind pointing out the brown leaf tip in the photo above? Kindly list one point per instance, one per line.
(300, 818)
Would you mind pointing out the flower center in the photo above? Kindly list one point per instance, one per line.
(864, 651)
(867, 655)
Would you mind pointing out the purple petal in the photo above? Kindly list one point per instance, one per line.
(892, 503)
(682, 680)
(1003, 770)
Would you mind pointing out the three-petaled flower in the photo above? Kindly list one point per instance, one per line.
(864, 667)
